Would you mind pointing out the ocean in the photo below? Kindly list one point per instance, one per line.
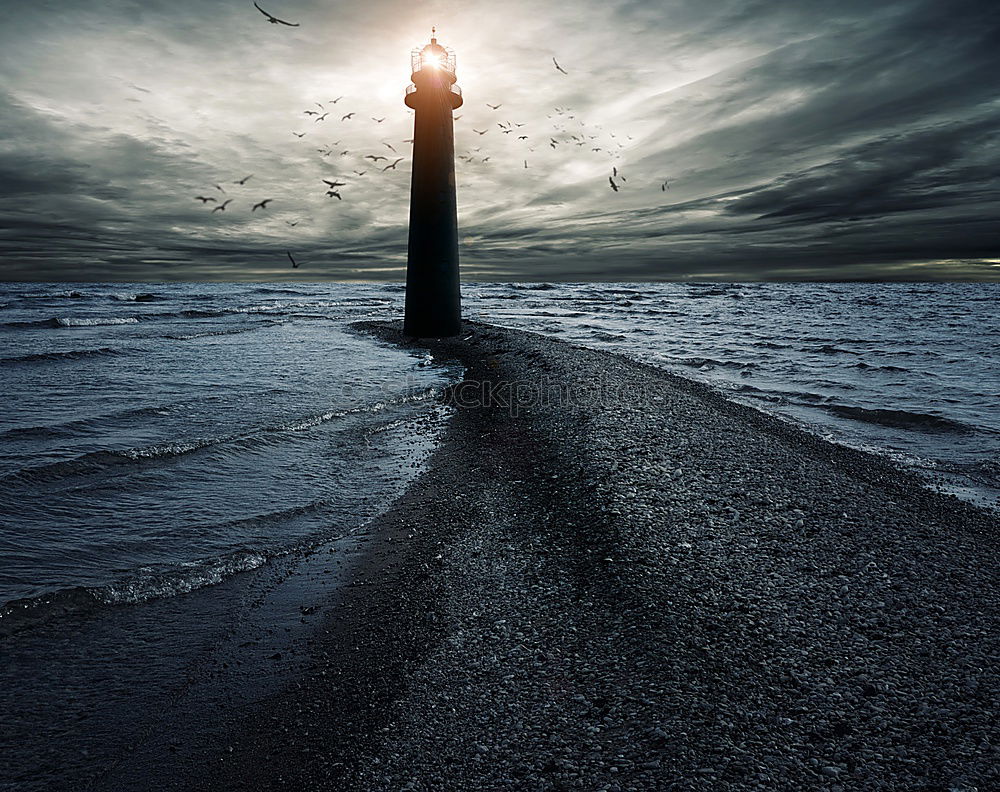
(231, 441)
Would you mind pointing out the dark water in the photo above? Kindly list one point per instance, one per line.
(184, 468)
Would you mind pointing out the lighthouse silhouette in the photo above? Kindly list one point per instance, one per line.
(433, 297)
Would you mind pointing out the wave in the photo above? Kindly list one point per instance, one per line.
(140, 297)
(828, 349)
(82, 425)
(770, 345)
(868, 367)
(100, 461)
(209, 333)
(72, 354)
(141, 586)
(604, 335)
(272, 290)
(802, 398)
(68, 294)
(705, 362)
(900, 419)
(73, 321)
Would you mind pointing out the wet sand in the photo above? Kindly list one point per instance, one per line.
(651, 589)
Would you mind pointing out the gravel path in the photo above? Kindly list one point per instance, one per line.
(655, 589)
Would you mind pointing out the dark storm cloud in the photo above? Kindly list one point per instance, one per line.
(800, 140)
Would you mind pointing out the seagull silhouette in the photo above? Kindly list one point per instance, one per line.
(494, 107)
(665, 186)
(558, 67)
(222, 206)
(389, 146)
(309, 112)
(273, 19)
(334, 194)
(361, 173)
(480, 131)
(526, 163)
(334, 101)
(244, 180)
(321, 118)
(217, 187)
(347, 117)
(262, 205)
(292, 224)
(393, 166)
(299, 134)
(377, 120)
(375, 158)
(295, 264)
(204, 200)
(613, 185)
(334, 183)
(523, 137)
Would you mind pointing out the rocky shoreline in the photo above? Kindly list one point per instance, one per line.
(638, 585)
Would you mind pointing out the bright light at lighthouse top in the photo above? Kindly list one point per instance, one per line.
(433, 57)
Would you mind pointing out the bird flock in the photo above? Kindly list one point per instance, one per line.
(566, 130)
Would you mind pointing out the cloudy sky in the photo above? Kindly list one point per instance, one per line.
(800, 140)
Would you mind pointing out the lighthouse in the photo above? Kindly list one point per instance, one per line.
(433, 299)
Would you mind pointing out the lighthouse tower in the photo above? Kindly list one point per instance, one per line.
(433, 300)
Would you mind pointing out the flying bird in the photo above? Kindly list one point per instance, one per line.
(244, 180)
(378, 120)
(361, 173)
(321, 118)
(273, 19)
(299, 134)
(665, 186)
(292, 224)
(262, 205)
(558, 67)
(217, 187)
(309, 112)
(375, 157)
(393, 166)
(389, 146)
(347, 117)
(480, 131)
(408, 141)
(222, 206)
(523, 137)
(334, 183)
(455, 118)
(334, 194)
(526, 163)
(203, 199)
(295, 264)
(334, 101)
(494, 107)
(613, 185)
